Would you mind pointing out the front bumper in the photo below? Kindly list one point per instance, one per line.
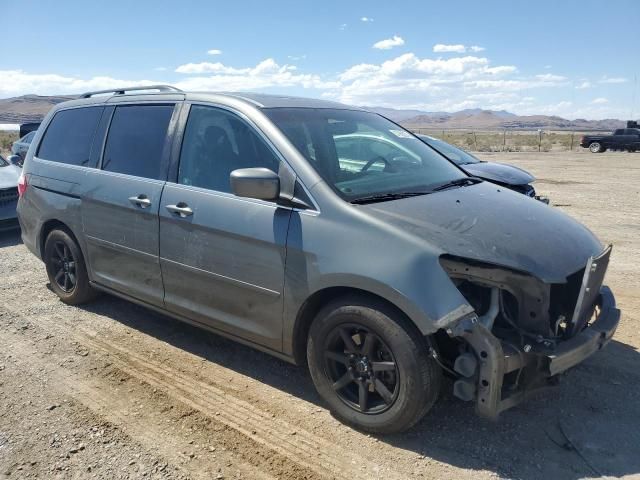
(535, 368)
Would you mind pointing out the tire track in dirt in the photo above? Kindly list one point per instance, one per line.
(302, 447)
(107, 403)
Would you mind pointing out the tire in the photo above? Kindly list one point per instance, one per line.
(66, 268)
(387, 390)
(595, 147)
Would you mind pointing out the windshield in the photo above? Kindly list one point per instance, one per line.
(455, 154)
(27, 138)
(3, 162)
(361, 154)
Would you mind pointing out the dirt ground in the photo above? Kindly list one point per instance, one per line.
(111, 390)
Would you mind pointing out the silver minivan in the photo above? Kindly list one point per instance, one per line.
(379, 264)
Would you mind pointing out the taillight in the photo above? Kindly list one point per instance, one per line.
(22, 185)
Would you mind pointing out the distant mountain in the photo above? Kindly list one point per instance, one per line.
(28, 108)
(498, 120)
(395, 114)
(33, 108)
(480, 119)
(478, 111)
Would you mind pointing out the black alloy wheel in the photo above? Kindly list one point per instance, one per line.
(371, 365)
(65, 265)
(66, 268)
(362, 368)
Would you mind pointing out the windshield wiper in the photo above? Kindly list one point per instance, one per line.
(383, 197)
(460, 182)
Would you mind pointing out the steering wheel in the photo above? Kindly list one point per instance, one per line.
(372, 161)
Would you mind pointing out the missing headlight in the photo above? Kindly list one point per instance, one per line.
(512, 304)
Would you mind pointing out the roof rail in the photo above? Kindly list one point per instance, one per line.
(122, 91)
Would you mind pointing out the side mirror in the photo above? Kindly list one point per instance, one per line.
(260, 183)
(15, 160)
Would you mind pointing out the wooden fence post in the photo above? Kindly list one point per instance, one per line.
(475, 141)
(571, 148)
(504, 140)
(539, 139)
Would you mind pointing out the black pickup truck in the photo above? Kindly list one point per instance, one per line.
(622, 139)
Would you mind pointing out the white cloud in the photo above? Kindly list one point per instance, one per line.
(550, 77)
(389, 43)
(438, 83)
(404, 81)
(160, 69)
(19, 82)
(606, 79)
(501, 70)
(441, 48)
(366, 19)
(457, 48)
(343, 26)
(295, 58)
(571, 110)
(266, 74)
(214, 51)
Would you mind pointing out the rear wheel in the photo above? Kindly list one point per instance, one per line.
(66, 268)
(595, 147)
(371, 367)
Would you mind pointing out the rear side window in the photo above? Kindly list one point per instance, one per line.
(136, 140)
(69, 136)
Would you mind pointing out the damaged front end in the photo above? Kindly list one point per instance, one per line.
(524, 332)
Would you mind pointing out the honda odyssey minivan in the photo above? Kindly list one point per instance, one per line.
(382, 267)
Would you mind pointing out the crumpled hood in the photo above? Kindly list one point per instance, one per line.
(9, 176)
(499, 172)
(494, 225)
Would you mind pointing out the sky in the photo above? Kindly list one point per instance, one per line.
(575, 59)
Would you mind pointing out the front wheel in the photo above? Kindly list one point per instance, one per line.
(371, 366)
(595, 147)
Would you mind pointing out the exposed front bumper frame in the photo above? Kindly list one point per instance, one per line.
(496, 359)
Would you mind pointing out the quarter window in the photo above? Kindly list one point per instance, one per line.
(215, 143)
(136, 140)
(69, 136)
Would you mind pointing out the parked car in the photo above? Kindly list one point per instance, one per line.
(503, 174)
(239, 214)
(622, 139)
(9, 175)
(20, 147)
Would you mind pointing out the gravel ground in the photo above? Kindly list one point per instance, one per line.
(111, 390)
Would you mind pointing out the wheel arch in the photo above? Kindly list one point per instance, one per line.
(48, 227)
(316, 301)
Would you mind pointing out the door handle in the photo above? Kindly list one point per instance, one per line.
(141, 200)
(181, 209)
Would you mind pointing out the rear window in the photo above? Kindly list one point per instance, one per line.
(136, 140)
(69, 136)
